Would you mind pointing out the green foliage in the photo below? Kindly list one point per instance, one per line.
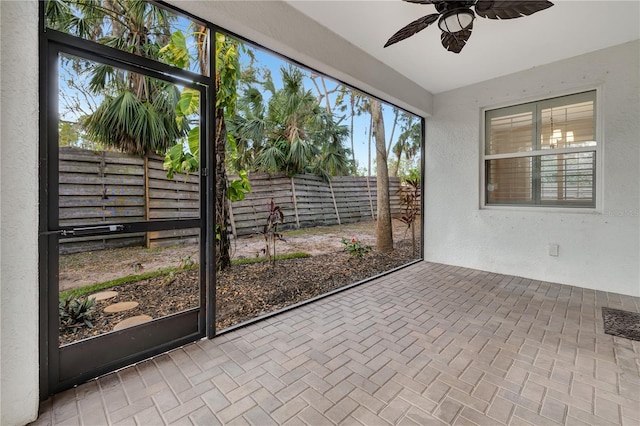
(137, 114)
(76, 312)
(413, 174)
(287, 130)
(227, 73)
(176, 51)
(137, 125)
(68, 134)
(82, 20)
(355, 247)
(188, 105)
(407, 148)
(186, 262)
(135, 26)
(239, 187)
(184, 157)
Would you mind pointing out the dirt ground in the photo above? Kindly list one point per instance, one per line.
(82, 269)
(243, 291)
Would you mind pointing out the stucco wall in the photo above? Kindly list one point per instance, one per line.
(18, 211)
(598, 250)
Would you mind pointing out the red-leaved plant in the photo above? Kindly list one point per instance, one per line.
(410, 200)
(270, 230)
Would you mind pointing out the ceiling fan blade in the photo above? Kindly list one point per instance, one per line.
(424, 1)
(412, 28)
(509, 9)
(454, 42)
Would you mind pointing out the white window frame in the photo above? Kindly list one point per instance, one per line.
(599, 153)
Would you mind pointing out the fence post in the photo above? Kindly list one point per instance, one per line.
(232, 220)
(335, 206)
(373, 216)
(295, 202)
(147, 209)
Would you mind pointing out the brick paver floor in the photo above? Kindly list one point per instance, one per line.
(430, 344)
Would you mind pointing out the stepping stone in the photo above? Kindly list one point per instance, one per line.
(104, 295)
(120, 307)
(131, 321)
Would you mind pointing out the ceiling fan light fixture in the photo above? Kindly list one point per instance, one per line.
(456, 20)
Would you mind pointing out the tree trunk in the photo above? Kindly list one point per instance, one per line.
(399, 155)
(223, 259)
(352, 102)
(384, 231)
(393, 130)
(370, 135)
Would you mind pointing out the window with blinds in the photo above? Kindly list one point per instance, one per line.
(542, 153)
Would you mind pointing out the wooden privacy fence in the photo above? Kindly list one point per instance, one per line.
(307, 201)
(98, 187)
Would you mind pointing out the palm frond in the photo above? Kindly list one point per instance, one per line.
(299, 155)
(58, 14)
(133, 126)
(271, 157)
(100, 78)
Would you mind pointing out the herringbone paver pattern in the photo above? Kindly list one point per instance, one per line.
(431, 344)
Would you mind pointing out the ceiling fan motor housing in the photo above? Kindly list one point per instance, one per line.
(456, 15)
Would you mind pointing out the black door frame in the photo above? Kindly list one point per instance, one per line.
(63, 367)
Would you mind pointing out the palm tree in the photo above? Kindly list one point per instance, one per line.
(139, 118)
(248, 128)
(288, 130)
(137, 114)
(408, 141)
(291, 110)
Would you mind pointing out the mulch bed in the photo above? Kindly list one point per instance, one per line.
(243, 291)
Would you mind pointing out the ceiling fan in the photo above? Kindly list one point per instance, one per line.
(455, 18)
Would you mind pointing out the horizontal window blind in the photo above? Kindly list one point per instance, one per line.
(511, 133)
(560, 134)
(567, 178)
(510, 181)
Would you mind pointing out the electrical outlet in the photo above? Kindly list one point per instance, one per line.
(554, 250)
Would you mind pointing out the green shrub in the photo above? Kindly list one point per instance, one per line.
(355, 247)
(76, 312)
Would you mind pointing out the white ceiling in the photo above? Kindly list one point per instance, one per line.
(496, 48)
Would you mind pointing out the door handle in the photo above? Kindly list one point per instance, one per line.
(86, 230)
(93, 229)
